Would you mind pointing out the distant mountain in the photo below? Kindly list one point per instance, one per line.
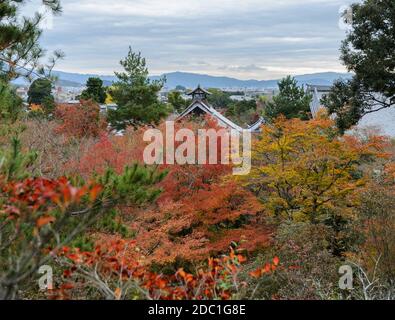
(191, 80)
(82, 78)
(69, 79)
(68, 83)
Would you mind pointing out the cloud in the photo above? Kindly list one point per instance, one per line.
(247, 68)
(250, 38)
(176, 8)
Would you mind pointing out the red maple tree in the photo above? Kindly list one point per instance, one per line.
(80, 120)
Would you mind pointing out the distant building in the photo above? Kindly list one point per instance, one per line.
(72, 102)
(107, 106)
(318, 92)
(241, 98)
(382, 120)
(200, 106)
(22, 93)
(65, 94)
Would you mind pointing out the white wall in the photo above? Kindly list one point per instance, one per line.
(384, 120)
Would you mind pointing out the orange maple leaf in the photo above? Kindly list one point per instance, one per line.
(44, 220)
(118, 293)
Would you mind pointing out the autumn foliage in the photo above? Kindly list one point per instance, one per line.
(205, 223)
(172, 231)
(42, 195)
(108, 151)
(390, 175)
(200, 211)
(34, 212)
(117, 274)
(80, 120)
(302, 168)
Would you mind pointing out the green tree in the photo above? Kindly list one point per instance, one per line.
(40, 93)
(368, 52)
(94, 90)
(241, 107)
(243, 112)
(177, 102)
(135, 95)
(10, 103)
(180, 88)
(292, 101)
(20, 51)
(219, 99)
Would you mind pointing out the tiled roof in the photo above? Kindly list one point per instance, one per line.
(221, 118)
(197, 90)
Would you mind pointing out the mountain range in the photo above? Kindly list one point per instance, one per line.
(191, 80)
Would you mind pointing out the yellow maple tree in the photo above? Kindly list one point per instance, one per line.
(303, 168)
(36, 107)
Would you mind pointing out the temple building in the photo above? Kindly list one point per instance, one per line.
(382, 120)
(317, 92)
(200, 106)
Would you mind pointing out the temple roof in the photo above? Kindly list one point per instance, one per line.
(206, 108)
(198, 90)
(319, 88)
(255, 127)
(210, 111)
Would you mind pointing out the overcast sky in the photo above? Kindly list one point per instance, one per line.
(260, 39)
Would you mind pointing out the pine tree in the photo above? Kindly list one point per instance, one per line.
(135, 95)
(40, 93)
(10, 103)
(20, 51)
(94, 90)
(177, 102)
(292, 101)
